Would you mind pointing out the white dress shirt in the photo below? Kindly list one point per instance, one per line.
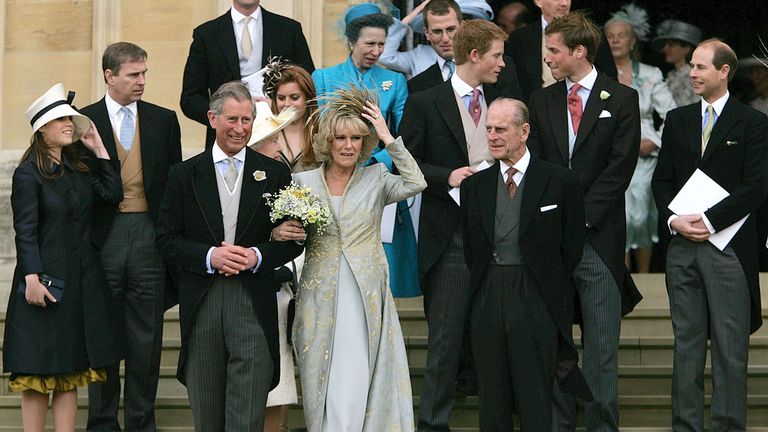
(521, 166)
(464, 90)
(116, 116)
(252, 64)
(587, 83)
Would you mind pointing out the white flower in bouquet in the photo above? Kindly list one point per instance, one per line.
(296, 202)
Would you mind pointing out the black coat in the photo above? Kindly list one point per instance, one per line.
(736, 159)
(551, 243)
(524, 46)
(432, 130)
(190, 223)
(604, 159)
(507, 85)
(213, 59)
(52, 220)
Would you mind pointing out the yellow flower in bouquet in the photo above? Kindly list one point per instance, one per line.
(299, 203)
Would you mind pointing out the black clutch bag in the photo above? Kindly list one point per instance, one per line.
(55, 286)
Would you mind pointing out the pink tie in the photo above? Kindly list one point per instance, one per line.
(575, 107)
(474, 106)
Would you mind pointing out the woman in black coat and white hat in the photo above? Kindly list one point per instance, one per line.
(58, 333)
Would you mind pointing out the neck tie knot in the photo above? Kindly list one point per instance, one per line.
(511, 185)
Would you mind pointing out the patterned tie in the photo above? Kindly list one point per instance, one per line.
(230, 177)
(127, 129)
(575, 107)
(246, 44)
(511, 185)
(709, 124)
(474, 106)
(451, 65)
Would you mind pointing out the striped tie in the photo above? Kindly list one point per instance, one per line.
(710, 123)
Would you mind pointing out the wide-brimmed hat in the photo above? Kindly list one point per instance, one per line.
(673, 29)
(478, 9)
(53, 104)
(267, 124)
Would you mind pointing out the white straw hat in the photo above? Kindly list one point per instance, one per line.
(267, 124)
(53, 105)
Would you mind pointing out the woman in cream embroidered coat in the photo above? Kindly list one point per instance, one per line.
(347, 337)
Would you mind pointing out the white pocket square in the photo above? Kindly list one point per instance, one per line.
(604, 114)
(548, 208)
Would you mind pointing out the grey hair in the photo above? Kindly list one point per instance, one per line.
(236, 90)
(520, 116)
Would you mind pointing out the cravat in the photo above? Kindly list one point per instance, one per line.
(575, 107)
(246, 44)
(230, 177)
(451, 65)
(511, 185)
(474, 106)
(710, 123)
(127, 129)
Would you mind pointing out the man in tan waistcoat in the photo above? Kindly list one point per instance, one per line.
(146, 140)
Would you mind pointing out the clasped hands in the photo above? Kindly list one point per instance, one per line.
(691, 226)
(231, 259)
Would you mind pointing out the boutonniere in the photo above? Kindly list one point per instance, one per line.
(385, 85)
(259, 175)
(604, 95)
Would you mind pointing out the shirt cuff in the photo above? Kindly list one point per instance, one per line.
(208, 260)
(258, 259)
(669, 224)
(706, 222)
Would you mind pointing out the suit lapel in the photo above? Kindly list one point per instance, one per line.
(535, 181)
(533, 63)
(486, 191)
(148, 136)
(226, 35)
(433, 75)
(251, 192)
(557, 106)
(267, 37)
(102, 122)
(449, 110)
(724, 124)
(591, 112)
(693, 129)
(207, 195)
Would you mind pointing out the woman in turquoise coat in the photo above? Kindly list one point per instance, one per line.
(365, 29)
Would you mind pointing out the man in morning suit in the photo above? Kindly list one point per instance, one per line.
(235, 46)
(214, 229)
(444, 129)
(713, 293)
(441, 20)
(522, 222)
(591, 124)
(145, 138)
(526, 47)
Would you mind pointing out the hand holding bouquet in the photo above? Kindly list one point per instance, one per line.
(299, 203)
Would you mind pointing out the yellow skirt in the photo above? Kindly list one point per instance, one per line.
(49, 383)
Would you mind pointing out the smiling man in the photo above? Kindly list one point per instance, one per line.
(591, 124)
(522, 222)
(444, 128)
(214, 229)
(713, 293)
(145, 138)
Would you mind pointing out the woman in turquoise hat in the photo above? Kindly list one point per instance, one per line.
(365, 29)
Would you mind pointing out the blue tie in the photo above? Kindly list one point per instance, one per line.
(127, 129)
(451, 68)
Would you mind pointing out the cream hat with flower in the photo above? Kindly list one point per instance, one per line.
(53, 105)
(267, 124)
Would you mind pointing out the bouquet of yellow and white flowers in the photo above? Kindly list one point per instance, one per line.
(296, 202)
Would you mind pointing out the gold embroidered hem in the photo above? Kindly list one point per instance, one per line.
(49, 383)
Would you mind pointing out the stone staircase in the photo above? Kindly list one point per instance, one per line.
(645, 370)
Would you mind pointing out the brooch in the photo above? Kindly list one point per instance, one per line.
(386, 85)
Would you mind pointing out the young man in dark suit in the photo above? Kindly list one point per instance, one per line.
(441, 20)
(214, 230)
(713, 293)
(526, 47)
(145, 138)
(234, 46)
(522, 221)
(444, 130)
(591, 124)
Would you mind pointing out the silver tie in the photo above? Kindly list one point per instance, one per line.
(230, 177)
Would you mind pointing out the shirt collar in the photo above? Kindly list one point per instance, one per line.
(718, 105)
(461, 87)
(237, 17)
(521, 166)
(587, 83)
(113, 107)
(219, 155)
(544, 25)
